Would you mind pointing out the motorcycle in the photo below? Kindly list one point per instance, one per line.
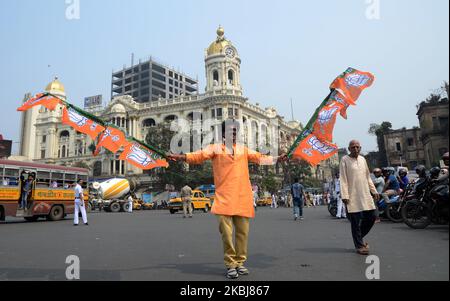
(393, 210)
(431, 204)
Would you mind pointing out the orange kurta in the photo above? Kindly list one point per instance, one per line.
(234, 195)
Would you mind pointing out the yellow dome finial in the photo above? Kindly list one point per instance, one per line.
(220, 31)
(56, 87)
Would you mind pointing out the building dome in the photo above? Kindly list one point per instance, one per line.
(118, 108)
(56, 87)
(218, 46)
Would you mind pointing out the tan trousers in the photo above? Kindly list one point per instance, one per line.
(187, 206)
(235, 254)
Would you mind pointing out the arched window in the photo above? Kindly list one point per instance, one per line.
(149, 122)
(215, 77)
(64, 134)
(170, 118)
(230, 77)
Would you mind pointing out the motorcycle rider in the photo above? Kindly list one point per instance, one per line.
(403, 178)
(391, 186)
(379, 185)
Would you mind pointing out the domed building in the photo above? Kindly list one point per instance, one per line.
(263, 128)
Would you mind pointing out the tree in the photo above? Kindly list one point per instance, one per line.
(269, 183)
(379, 130)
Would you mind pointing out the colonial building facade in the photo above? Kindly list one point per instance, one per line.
(46, 139)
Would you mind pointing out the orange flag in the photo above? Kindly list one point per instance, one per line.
(141, 157)
(81, 123)
(312, 150)
(112, 139)
(351, 83)
(43, 99)
(326, 119)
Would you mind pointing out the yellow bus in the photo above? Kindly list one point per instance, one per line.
(52, 194)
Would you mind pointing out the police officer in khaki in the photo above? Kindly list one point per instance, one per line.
(186, 195)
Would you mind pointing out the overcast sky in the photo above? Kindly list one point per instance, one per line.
(289, 49)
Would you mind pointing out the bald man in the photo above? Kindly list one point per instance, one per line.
(356, 190)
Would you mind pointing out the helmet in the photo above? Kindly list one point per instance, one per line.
(402, 171)
(421, 171)
(435, 171)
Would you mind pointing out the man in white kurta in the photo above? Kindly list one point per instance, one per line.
(356, 188)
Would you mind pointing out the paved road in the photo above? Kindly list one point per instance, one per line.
(155, 245)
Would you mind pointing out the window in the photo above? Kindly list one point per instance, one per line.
(159, 76)
(196, 195)
(230, 112)
(144, 83)
(443, 123)
(128, 88)
(176, 84)
(158, 84)
(435, 123)
(170, 89)
(145, 74)
(216, 75)
(236, 112)
(128, 80)
(145, 67)
(44, 139)
(181, 86)
(219, 112)
(171, 81)
(398, 147)
(158, 69)
(410, 141)
(43, 179)
(148, 122)
(136, 78)
(58, 177)
(230, 76)
(176, 76)
(170, 73)
(213, 113)
(43, 154)
(145, 91)
(11, 177)
(136, 86)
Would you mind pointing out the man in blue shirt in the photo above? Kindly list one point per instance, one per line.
(403, 178)
(391, 186)
(298, 195)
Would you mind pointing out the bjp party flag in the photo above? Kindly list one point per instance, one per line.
(312, 150)
(112, 139)
(44, 99)
(351, 83)
(81, 123)
(142, 157)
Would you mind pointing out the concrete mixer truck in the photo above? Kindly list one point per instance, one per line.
(111, 195)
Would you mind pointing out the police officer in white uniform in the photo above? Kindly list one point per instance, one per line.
(130, 203)
(79, 204)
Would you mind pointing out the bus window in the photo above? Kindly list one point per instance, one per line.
(58, 177)
(43, 179)
(10, 178)
(69, 180)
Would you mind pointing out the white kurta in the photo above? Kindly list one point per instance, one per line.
(356, 184)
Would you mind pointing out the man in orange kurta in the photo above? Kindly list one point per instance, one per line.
(233, 203)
